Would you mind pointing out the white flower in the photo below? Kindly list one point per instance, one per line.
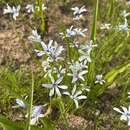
(78, 69)
(105, 26)
(47, 69)
(43, 7)
(74, 45)
(87, 47)
(123, 27)
(55, 86)
(39, 53)
(35, 37)
(46, 48)
(85, 87)
(36, 114)
(59, 70)
(21, 103)
(30, 8)
(55, 52)
(75, 96)
(77, 75)
(51, 51)
(128, 2)
(78, 11)
(80, 32)
(99, 79)
(13, 10)
(125, 14)
(71, 32)
(125, 114)
(85, 51)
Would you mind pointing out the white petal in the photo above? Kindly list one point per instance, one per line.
(41, 115)
(66, 93)
(123, 117)
(33, 121)
(82, 97)
(51, 92)
(81, 77)
(43, 45)
(74, 90)
(47, 85)
(50, 43)
(20, 103)
(59, 80)
(128, 122)
(118, 110)
(57, 91)
(63, 86)
(78, 93)
(83, 72)
(124, 109)
(76, 103)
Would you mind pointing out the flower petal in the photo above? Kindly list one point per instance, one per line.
(66, 93)
(74, 90)
(76, 103)
(51, 92)
(33, 121)
(123, 117)
(118, 110)
(47, 85)
(57, 91)
(63, 86)
(59, 80)
(81, 97)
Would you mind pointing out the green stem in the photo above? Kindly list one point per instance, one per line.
(31, 103)
(63, 113)
(111, 8)
(43, 17)
(94, 28)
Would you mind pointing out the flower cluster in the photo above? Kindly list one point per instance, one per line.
(12, 10)
(78, 12)
(15, 10)
(63, 76)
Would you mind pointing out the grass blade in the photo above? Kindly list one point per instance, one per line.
(94, 28)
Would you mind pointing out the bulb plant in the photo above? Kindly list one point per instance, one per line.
(73, 72)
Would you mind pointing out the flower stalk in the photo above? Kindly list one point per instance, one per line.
(94, 28)
(31, 103)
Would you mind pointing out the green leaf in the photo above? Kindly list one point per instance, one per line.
(111, 8)
(48, 124)
(110, 77)
(10, 125)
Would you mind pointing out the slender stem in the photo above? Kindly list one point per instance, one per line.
(91, 68)
(31, 102)
(94, 28)
(111, 8)
(63, 113)
(43, 17)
